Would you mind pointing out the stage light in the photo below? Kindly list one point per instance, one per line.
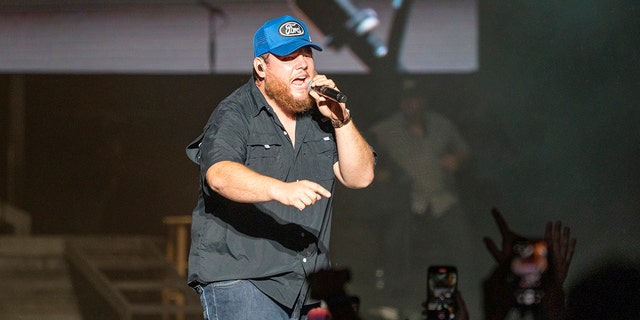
(343, 23)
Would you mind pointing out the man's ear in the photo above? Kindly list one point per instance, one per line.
(259, 66)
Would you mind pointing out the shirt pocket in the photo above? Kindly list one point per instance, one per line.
(264, 156)
(320, 153)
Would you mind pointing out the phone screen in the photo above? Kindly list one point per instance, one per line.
(528, 266)
(441, 292)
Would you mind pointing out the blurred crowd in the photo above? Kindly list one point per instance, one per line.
(527, 281)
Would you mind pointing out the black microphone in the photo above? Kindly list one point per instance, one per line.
(330, 93)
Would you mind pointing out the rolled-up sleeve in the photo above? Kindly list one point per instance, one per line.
(225, 138)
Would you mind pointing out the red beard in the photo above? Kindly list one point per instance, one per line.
(279, 91)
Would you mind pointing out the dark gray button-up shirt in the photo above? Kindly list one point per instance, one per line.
(273, 245)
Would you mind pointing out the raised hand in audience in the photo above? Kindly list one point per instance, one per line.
(561, 248)
(499, 298)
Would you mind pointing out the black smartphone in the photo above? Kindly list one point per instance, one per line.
(528, 266)
(442, 284)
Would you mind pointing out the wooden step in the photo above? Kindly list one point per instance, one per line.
(34, 280)
(132, 277)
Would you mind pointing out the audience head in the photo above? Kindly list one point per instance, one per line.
(610, 292)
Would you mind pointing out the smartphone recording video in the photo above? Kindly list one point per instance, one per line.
(528, 266)
(442, 282)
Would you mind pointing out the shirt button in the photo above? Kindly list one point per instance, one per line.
(304, 259)
(285, 133)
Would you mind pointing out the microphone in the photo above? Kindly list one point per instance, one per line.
(330, 93)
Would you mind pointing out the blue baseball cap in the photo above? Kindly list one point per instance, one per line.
(281, 36)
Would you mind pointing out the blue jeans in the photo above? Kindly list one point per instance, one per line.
(241, 300)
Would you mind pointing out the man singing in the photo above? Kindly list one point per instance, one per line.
(269, 157)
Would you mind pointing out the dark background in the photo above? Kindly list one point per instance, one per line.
(551, 116)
